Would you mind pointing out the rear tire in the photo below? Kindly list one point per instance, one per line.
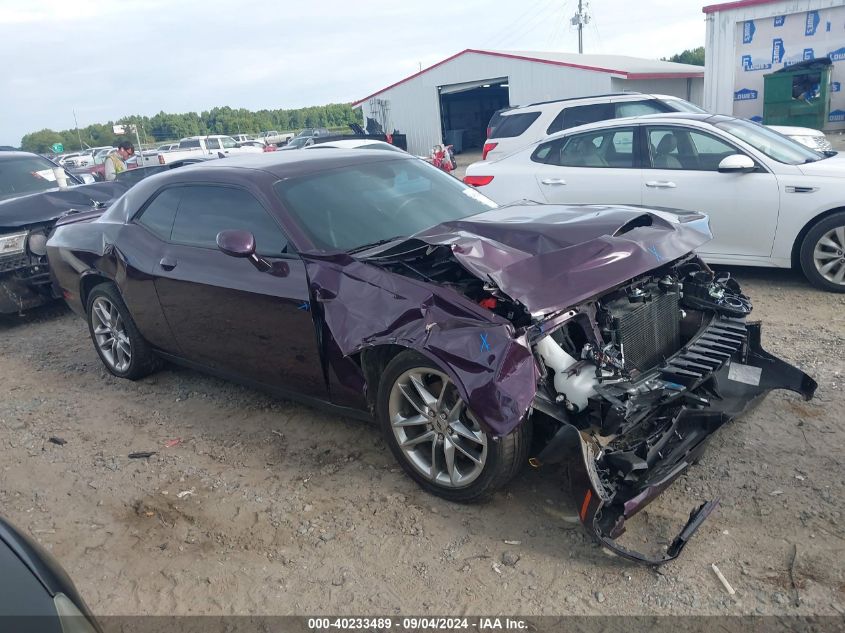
(437, 440)
(116, 338)
(822, 253)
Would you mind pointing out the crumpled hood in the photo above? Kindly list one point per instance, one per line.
(46, 206)
(551, 257)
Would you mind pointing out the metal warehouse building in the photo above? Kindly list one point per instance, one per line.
(463, 91)
(751, 38)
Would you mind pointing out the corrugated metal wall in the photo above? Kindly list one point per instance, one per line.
(721, 61)
(415, 106)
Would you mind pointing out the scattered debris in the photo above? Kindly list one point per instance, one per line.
(141, 454)
(497, 568)
(185, 493)
(723, 580)
(800, 477)
(513, 542)
(797, 600)
(599, 596)
(510, 558)
(775, 493)
(279, 433)
(60, 441)
(173, 443)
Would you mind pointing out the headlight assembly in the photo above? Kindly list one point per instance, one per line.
(12, 243)
(37, 244)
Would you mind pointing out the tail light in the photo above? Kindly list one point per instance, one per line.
(478, 181)
(160, 159)
(488, 147)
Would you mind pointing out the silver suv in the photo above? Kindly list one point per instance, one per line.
(512, 129)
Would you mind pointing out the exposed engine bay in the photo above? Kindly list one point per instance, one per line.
(632, 382)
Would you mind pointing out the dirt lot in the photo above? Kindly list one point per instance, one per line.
(271, 507)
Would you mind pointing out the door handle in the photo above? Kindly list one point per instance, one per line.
(553, 181)
(660, 184)
(167, 263)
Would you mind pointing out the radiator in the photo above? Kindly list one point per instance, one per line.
(648, 332)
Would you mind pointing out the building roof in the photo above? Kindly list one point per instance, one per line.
(738, 4)
(622, 65)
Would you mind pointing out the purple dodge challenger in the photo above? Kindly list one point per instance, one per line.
(479, 337)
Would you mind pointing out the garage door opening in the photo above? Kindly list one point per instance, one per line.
(466, 108)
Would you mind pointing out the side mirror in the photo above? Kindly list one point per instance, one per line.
(241, 244)
(236, 243)
(736, 163)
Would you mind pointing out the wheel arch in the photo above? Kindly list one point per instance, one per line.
(87, 282)
(375, 359)
(796, 246)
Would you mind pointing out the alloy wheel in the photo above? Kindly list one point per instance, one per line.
(829, 255)
(110, 334)
(434, 429)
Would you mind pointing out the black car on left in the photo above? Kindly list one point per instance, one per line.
(31, 200)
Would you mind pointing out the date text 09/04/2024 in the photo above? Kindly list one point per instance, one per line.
(418, 623)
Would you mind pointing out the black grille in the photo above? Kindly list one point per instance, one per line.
(13, 262)
(648, 332)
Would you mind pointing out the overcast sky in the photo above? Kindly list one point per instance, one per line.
(108, 58)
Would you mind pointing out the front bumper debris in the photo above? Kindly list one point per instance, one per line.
(613, 480)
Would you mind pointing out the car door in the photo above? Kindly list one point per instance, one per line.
(682, 172)
(224, 313)
(212, 146)
(595, 167)
(229, 145)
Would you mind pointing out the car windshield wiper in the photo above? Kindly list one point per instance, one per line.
(365, 247)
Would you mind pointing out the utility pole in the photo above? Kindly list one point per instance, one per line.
(580, 19)
(78, 135)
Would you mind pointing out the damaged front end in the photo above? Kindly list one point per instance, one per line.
(598, 323)
(639, 379)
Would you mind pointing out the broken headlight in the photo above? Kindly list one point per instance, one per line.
(12, 243)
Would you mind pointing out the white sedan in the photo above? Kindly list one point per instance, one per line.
(771, 200)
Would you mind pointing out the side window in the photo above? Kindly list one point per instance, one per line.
(639, 108)
(682, 148)
(612, 148)
(160, 212)
(229, 142)
(514, 124)
(205, 210)
(581, 115)
(212, 144)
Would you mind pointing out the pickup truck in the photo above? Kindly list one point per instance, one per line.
(272, 137)
(214, 145)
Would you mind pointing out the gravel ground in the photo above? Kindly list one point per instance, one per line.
(268, 507)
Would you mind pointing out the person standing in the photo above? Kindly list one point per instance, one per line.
(116, 160)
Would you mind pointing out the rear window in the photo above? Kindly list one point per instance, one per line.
(581, 115)
(189, 144)
(514, 124)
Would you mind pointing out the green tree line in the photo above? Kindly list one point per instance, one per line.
(166, 126)
(694, 56)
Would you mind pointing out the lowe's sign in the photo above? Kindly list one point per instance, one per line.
(746, 94)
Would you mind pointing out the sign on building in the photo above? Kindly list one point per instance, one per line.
(766, 45)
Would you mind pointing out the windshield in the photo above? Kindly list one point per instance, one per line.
(773, 144)
(679, 105)
(361, 204)
(299, 142)
(29, 174)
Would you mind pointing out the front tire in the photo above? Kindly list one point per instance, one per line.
(116, 338)
(435, 437)
(823, 253)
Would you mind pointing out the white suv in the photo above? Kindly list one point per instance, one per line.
(511, 129)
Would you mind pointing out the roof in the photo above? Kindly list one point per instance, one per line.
(622, 65)
(738, 4)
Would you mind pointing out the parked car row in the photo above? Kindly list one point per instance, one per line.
(771, 200)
